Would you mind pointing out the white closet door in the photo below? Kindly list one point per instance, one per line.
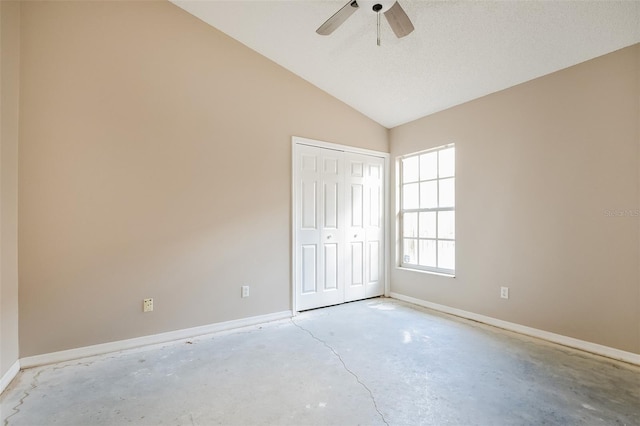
(364, 201)
(339, 226)
(320, 222)
(374, 220)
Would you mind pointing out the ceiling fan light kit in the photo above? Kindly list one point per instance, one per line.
(395, 14)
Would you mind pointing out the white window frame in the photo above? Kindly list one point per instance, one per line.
(402, 211)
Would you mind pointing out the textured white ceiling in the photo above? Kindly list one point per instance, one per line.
(460, 50)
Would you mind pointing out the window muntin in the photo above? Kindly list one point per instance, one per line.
(427, 210)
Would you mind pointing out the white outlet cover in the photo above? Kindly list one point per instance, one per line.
(504, 292)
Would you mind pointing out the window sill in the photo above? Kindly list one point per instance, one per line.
(422, 271)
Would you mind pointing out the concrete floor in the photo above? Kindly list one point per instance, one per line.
(375, 362)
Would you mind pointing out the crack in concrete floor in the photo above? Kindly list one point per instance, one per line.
(34, 385)
(373, 398)
(25, 395)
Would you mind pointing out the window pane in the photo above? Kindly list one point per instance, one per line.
(447, 192)
(447, 166)
(410, 225)
(428, 253)
(428, 191)
(410, 196)
(410, 169)
(409, 252)
(427, 225)
(447, 254)
(447, 225)
(429, 166)
(429, 194)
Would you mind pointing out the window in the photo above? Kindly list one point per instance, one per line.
(427, 210)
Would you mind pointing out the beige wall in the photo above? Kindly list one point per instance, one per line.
(155, 161)
(538, 166)
(9, 94)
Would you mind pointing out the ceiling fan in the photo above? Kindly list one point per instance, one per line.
(395, 14)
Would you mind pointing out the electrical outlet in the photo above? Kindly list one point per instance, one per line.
(245, 291)
(147, 305)
(504, 292)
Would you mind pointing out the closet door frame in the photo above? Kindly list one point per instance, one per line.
(297, 141)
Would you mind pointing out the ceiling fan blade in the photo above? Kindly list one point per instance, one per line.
(399, 21)
(338, 18)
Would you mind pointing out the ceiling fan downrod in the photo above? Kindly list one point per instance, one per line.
(377, 8)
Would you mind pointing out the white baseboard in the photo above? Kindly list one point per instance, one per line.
(617, 354)
(120, 345)
(11, 374)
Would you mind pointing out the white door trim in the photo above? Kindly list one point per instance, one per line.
(295, 142)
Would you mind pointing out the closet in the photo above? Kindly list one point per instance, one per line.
(339, 224)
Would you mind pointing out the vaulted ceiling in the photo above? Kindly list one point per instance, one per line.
(459, 51)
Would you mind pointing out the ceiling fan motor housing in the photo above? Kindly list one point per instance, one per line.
(377, 6)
